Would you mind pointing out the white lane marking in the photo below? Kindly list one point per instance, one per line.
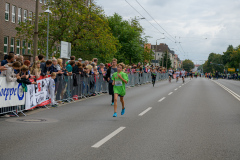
(175, 89)
(170, 93)
(144, 112)
(104, 140)
(180, 86)
(229, 91)
(161, 99)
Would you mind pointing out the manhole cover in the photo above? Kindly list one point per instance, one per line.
(32, 120)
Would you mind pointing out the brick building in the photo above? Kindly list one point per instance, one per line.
(11, 13)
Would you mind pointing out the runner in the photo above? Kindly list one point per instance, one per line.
(177, 75)
(170, 71)
(191, 75)
(183, 75)
(119, 80)
(109, 75)
(154, 75)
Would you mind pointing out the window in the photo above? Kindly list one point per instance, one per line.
(40, 1)
(25, 16)
(30, 17)
(13, 14)
(45, 1)
(12, 45)
(29, 48)
(23, 46)
(19, 15)
(18, 46)
(7, 12)
(5, 45)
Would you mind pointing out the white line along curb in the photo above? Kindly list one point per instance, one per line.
(229, 91)
(144, 112)
(104, 140)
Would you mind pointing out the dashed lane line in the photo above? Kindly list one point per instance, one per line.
(107, 138)
(170, 93)
(144, 112)
(161, 99)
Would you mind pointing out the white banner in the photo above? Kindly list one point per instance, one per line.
(11, 93)
(38, 95)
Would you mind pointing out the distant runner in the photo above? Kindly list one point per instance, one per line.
(183, 75)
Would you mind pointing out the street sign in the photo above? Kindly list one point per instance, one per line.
(65, 50)
(231, 69)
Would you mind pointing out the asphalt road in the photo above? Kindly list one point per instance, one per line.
(199, 120)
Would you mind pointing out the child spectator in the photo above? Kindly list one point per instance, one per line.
(24, 74)
(36, 70)
(52, 89)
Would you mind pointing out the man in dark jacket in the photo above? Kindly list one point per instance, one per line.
(45, 68)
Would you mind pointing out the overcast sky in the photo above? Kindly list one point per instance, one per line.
(189, 22)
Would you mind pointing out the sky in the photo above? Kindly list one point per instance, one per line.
(193, 28)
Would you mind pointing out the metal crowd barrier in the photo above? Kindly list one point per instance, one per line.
(70, 88)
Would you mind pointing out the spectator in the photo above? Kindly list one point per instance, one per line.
(72, 58)
(80, 60)
(10, 59)
(45, 68)
(52, 89)
(86, 62)
(70, 66)
(9, 73)
(41, 58)
(24, 74)
(27, 63)
(36, 69)
(55, 67)
(95, 60)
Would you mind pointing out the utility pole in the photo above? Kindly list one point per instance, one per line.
(35, 38)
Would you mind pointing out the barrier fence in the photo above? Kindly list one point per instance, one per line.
(70, 88)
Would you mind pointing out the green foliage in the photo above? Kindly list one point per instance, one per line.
(86, 28)
(129, 34)
(188, 65)
(166, 57)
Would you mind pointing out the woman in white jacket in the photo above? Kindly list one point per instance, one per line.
(9, 73)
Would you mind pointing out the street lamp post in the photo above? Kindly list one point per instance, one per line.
(35, 38)
(49, 12)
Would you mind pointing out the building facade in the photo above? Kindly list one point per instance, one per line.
(12, 12)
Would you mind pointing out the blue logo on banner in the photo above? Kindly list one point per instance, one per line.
(9, 92)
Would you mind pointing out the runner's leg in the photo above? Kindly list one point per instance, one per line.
(115, 102)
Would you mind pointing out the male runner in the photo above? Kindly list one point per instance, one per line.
(191, 75)
(170, 71)
(154, 75)
(183, 75)
(119, 80)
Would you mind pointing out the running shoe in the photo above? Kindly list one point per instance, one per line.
(112, 104)
(115, 114)
(123, 111)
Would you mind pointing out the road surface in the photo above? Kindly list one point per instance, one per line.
(199, 120)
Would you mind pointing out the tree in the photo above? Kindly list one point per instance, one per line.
(86, 28)
(188, 65)
(164, 57)
(129, 35)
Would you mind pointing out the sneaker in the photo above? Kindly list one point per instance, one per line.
(123, 111)
(115, 114)
(112, 104)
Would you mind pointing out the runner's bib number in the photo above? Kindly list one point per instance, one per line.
(118, 83)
